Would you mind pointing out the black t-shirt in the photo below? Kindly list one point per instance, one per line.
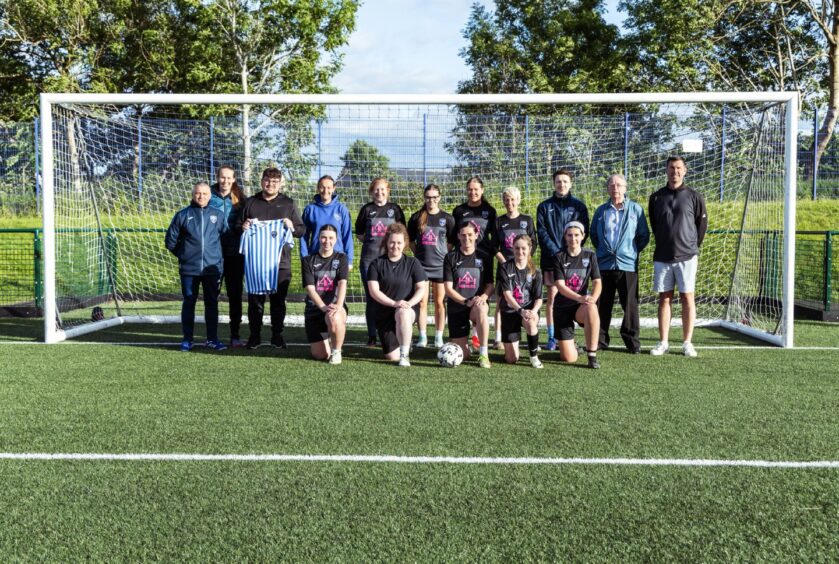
(432, 243)
(576, 272)
(526, 287)
(324, 274)
(396, 279)
(469, 274)
(483, 216)
(372, 223)
(506, 230)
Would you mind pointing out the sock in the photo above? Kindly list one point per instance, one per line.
(404, 350)
(550, 331)
(533, 344)
(422, 335)
(438, 337)
(591, 353)
(484, 350)
(336, 351)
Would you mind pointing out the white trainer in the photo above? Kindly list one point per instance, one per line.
(335, 357)
(535, 362)
(689, 350)
(660, 349)
(403, 361)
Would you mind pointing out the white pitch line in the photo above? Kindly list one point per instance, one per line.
(393, 459)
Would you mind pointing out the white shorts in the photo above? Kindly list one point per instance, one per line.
(668, 275)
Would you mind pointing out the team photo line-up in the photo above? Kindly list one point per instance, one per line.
(246, 243)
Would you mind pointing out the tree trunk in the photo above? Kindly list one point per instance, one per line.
(829, 122)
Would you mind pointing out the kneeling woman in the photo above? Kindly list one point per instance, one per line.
(573, 269)
(397, 283)
(467, 274)
(325, 280)
(520, 287)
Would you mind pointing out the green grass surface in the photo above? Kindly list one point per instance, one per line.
(766, 404)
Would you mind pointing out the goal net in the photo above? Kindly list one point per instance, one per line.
(118, 167)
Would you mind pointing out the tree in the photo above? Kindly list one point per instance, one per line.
(274, 46)
(739, 45)
(548, 46)
(363, 162)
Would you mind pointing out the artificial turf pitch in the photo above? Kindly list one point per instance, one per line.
(728, 404)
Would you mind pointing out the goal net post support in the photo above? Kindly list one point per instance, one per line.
(94, 259)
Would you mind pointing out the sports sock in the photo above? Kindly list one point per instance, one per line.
(533, 344)
(484, 351)
(550, 331)
(404, 350)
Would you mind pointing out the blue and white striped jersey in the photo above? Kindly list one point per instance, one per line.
(262, 246)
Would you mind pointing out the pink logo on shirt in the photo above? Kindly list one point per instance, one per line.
(574, 282)
(467, 282)
(429, 238)
(508, 242)
(378, 229)
(326, 284)
(517, 295)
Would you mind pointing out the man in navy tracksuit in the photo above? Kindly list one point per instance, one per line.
(619, 233)
(552, 216)
(194, 236)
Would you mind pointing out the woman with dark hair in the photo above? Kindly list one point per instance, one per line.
(327, 209)
(432, 235)
(228, 197)
(371, 225)
(467, 272)
(520, 290)
(325, 280)
(397, 284)
(477, 211)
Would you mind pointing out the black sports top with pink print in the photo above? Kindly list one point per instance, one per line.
(432, 243)
(469, 274)
(324, 274)
(576, 272)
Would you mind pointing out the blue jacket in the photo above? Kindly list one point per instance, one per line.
(552, 216)
(633, 237)
(316, 215)
(230, 239)
(194, 236)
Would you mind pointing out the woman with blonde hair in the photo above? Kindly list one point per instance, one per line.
(520, 291)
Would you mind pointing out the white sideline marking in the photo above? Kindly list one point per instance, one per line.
(184, 457)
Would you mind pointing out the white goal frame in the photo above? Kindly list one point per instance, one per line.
(52, 334)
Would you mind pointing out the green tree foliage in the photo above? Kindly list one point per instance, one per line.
(363, 162)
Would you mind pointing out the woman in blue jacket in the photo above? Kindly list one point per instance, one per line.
(194, 236)
(327, 209)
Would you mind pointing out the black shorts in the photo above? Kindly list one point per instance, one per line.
(564, 323)
(386, 327)
(511, 323)
(436, 280)
(458, 321)
(315, 324)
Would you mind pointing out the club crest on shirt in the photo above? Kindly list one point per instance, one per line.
(213, 219)
(390, 213)
(337, 217)
(529, 278)
(274, 234)
(523, 224)
(335, 263)
(585, 262)
(479, 263)
(485, 214)
(442, 223)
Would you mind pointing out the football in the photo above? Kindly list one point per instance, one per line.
(450, 355)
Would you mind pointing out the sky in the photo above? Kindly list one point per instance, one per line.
(411, 46)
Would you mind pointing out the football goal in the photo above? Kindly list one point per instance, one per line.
(116, 167)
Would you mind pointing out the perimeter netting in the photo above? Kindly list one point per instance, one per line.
(122, 172)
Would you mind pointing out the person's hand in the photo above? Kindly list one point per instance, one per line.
(478, 300)
(401, 304)
(246, 225)
(526, 314)
(288, 224)
(587, 299)
(331, 309)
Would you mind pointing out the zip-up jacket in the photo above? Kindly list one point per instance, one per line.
(229, 239)
(194, 236)
(633, 236)
(316, 215)
(552, 216)
(281, 207)
(678, 219)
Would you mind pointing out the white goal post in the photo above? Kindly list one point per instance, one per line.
(54, 331)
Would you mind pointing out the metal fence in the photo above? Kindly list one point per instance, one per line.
(816, 273)
(20, 159)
